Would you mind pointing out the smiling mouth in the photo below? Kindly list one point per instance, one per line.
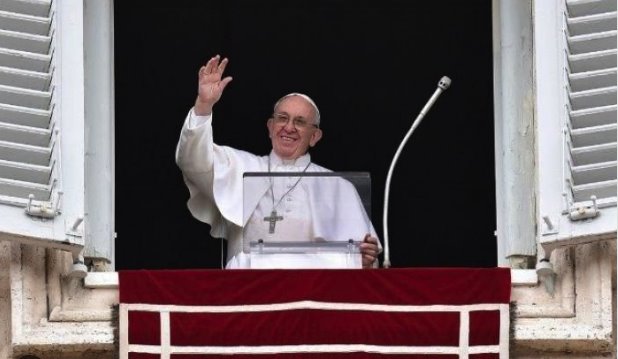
(287, 139)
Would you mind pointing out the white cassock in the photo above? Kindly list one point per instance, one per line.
(313, 209)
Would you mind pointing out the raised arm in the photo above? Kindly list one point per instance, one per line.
(211, 84)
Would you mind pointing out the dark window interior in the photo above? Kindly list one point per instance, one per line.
(370, 66)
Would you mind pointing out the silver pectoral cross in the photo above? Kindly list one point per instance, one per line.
(273, 221)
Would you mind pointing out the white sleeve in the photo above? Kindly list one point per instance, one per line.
(194, 152)
(213, 174)
(194, 156)
(195, 121)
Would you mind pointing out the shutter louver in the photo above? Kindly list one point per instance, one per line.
(591, 105)
(27, 135)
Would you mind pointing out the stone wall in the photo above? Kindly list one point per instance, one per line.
(45, 313)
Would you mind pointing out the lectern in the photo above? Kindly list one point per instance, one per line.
(306, 220)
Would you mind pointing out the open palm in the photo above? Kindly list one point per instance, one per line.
(211, 84)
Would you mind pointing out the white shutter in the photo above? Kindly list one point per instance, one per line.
(575, 69)
(42, 123)
(590, 35)
(26, 128)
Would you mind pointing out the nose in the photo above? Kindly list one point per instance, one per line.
(289, 126)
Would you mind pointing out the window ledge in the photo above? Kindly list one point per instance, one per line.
(101, 280)
(109, 280)
(524, 278)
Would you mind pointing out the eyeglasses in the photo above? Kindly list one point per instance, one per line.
(298, 122)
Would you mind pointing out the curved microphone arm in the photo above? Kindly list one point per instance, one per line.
(444, 84)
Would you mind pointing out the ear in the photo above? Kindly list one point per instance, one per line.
(269, 125)
(317, 135)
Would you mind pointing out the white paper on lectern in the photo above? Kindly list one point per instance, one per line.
(306, 261)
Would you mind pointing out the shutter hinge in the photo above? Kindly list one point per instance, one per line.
(43, 209)
(550, 227)
(74, 230)
(584, 212)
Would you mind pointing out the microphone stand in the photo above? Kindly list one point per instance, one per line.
(444, 84)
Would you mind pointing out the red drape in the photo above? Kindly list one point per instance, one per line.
(404, 313)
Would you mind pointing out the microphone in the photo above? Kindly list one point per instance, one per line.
(443, 84)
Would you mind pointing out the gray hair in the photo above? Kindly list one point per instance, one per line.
(307, 98)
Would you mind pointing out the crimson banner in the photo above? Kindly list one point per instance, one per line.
(411, 313)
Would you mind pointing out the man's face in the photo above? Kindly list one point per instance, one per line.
(290, 139)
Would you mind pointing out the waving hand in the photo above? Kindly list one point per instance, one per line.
(210, 85)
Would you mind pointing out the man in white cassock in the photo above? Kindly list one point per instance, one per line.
(279, 207)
